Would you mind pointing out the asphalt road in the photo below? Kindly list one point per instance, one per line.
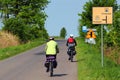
(29, 65)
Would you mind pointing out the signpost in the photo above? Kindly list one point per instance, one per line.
(102, 15)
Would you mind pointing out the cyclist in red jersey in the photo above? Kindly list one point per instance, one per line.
(71, 42)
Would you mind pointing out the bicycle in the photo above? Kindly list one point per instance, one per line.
(71, 53)
(51, 59)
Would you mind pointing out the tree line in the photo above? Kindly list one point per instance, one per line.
(111, 31)
(24, 18)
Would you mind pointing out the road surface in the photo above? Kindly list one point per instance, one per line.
(29, 65)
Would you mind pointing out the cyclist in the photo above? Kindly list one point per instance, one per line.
(51, 49)
(71, 43)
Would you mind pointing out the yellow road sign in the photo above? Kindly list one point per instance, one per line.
(102, 15)
(90, 34)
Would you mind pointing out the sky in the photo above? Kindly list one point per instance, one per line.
(64, 13)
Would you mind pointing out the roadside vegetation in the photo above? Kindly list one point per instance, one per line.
(110, 31)
(14, 50)
(10, 45)
(25, 18)
(58, 38)
(23, 26)
(8, 39)
(89, 64)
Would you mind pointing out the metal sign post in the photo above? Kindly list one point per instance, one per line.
(102, 15)
(102, 56)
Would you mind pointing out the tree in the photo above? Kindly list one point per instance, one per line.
(86, 15)
(111, 34)
(114, 36)
(28, 12)
(63, 32)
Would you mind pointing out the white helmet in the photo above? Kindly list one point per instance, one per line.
(51, 38)
(71, 35)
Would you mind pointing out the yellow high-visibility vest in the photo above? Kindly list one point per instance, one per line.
(51, 47)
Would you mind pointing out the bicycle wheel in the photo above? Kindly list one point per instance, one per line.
(71, 56)
(51, 69)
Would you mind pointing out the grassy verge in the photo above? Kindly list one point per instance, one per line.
(11, 51)
(89, 64)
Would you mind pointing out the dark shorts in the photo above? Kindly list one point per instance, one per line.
(50, 55)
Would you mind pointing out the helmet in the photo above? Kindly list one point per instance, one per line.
(51, 38)
(71, 35)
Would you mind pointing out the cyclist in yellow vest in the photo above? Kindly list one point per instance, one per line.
(51, 49)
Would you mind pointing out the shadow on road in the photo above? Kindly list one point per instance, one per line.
(78, 60)
(75, 61)
(59, 75)
(40, 53)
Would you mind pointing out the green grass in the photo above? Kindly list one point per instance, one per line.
(11, 51)
(89, 64)
(14, 50)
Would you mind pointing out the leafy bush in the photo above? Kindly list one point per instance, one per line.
(23, 31)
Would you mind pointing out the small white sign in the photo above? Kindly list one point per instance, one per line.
(92, 29)
(84, 28)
